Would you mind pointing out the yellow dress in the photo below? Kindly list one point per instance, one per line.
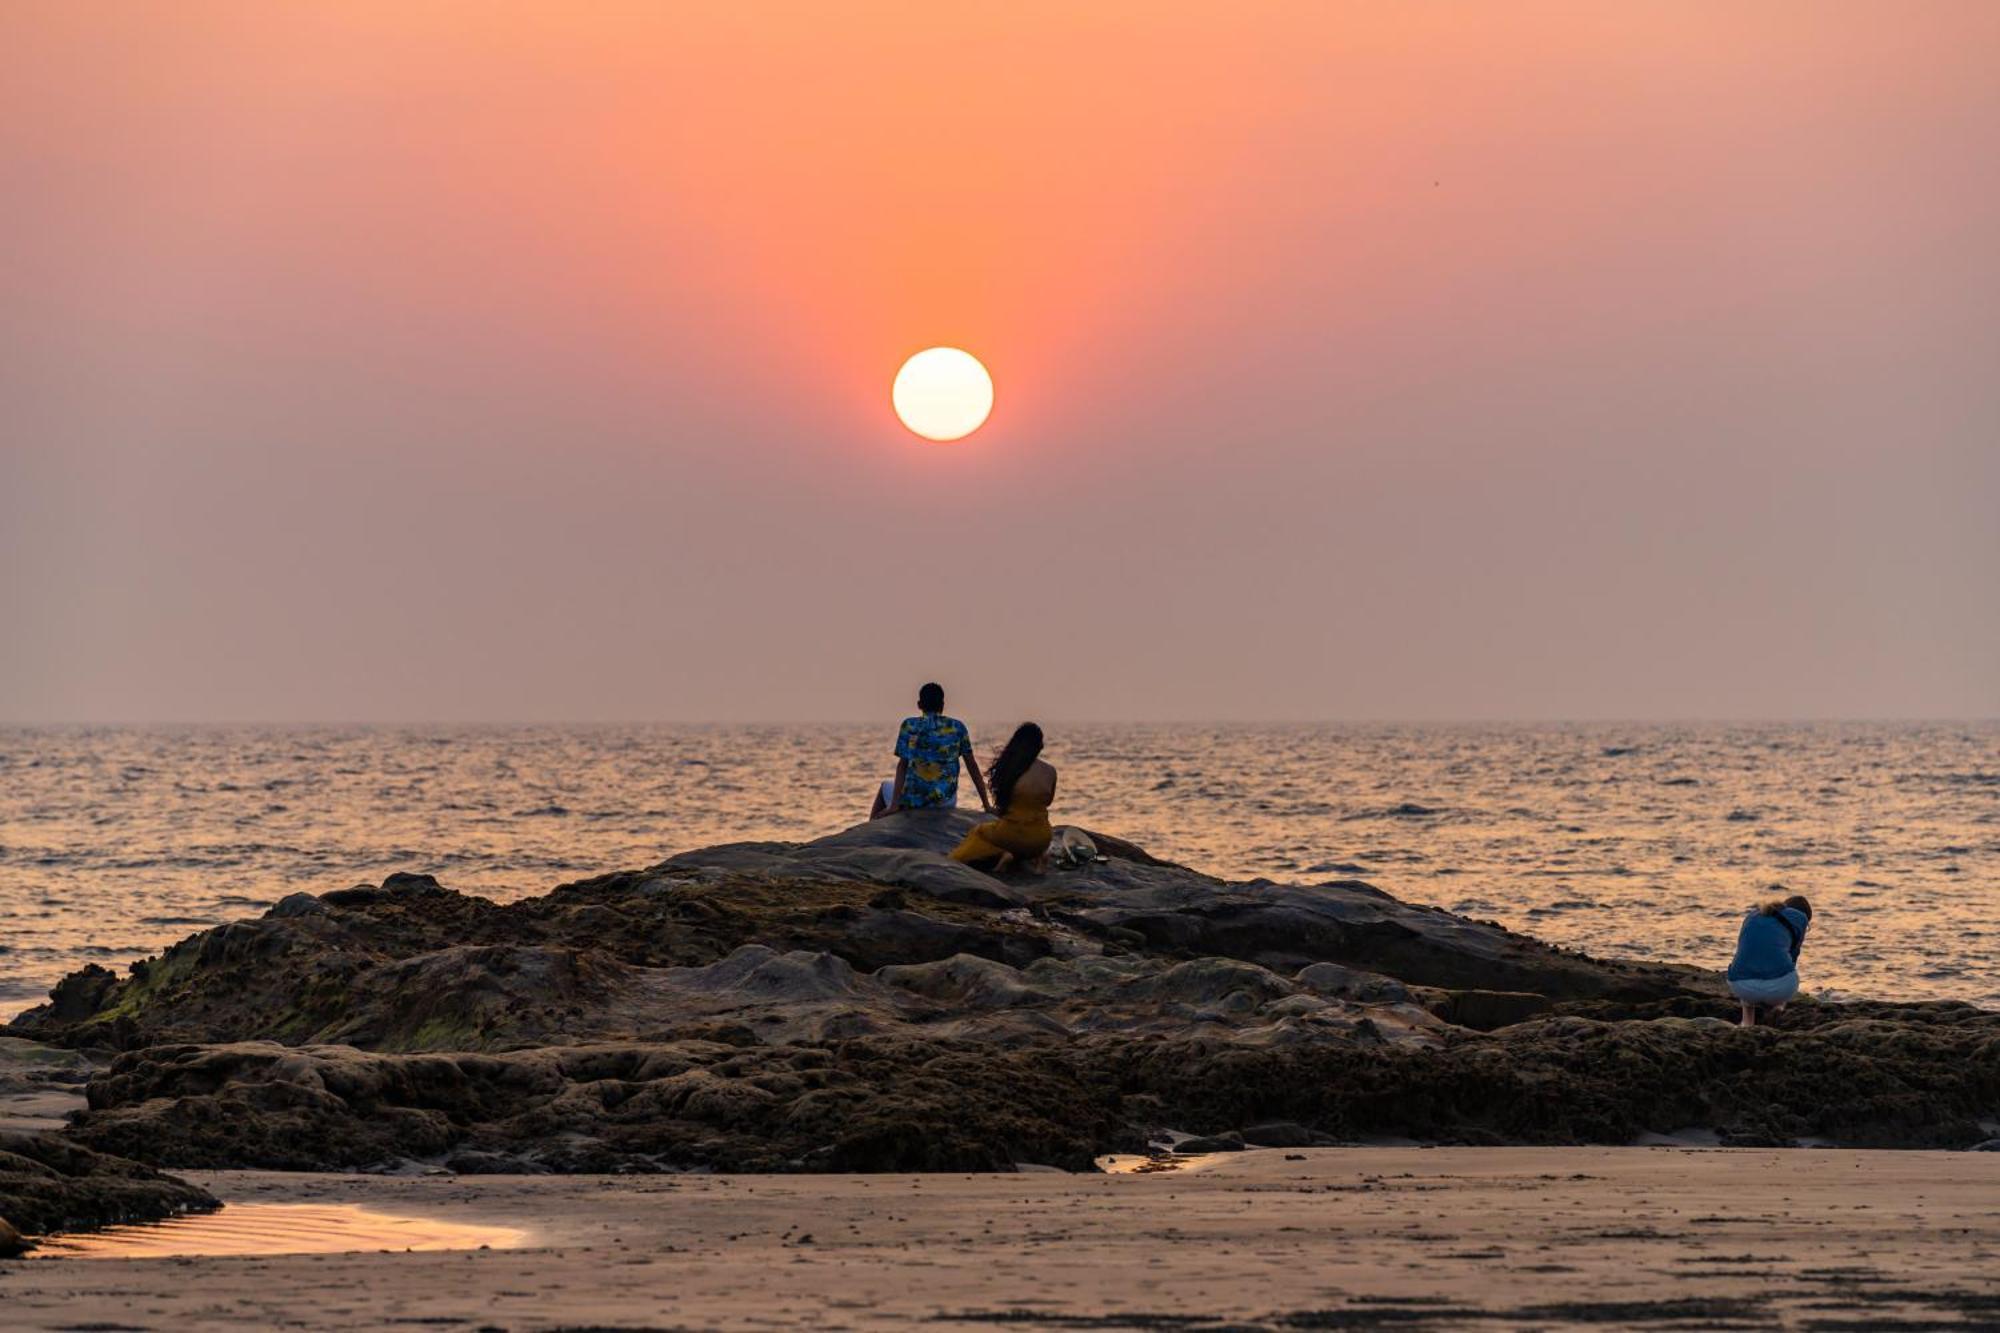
(1024, 830)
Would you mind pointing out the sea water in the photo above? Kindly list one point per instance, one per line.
(1643, 841)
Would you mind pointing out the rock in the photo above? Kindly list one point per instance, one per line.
(493, 1164)
(872, 1104)
(894, 1102)
(409, 965)
(81, 994)
(39, 1084)
(1352, 984)
(414, 966)
(1278, 1134)
(28, 1066)
(1987, 1145)
(1486, 1010)
(48, 1184)
(12, 1242)
(1220, 1143)
(863, 1003)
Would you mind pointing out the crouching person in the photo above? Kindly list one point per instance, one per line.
(1764, 975)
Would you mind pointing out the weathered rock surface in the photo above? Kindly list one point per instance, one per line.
(864, 1003)
(48, 1183)
(410, 965)
(39, 1085)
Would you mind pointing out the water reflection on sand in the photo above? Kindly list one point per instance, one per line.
(279, 1228)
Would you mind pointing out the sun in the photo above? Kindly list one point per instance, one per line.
(942, 393)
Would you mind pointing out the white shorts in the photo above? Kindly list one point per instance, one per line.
(1766, 990)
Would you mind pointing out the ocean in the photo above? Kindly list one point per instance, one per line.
(1644, 841)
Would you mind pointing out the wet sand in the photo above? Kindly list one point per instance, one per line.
(282, 1228)
(1335, 1238)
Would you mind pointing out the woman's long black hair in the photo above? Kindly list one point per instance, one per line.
(1023, 748)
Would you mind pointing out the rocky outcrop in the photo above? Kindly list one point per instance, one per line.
(410, 965)
(893, 1102)
(48, 1183)
(864, 1003)
(868, 1104)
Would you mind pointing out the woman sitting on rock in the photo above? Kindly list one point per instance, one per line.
(1765, 972)
(1024, 786)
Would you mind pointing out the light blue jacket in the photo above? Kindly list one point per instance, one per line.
(1765, 949)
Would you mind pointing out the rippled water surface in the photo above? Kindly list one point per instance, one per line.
(1627, 840)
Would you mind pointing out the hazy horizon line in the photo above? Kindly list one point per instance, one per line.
(1384, 720)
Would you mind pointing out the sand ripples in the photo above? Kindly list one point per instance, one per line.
(280, 1228)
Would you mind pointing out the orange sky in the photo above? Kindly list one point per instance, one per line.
(1352, 360)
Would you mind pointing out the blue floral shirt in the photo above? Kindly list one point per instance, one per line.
(931, 745)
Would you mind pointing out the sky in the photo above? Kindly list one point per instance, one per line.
(494, 362)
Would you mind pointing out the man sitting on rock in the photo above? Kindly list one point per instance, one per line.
(928, 750)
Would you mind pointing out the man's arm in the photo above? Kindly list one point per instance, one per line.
(978, 778)
(896, 797)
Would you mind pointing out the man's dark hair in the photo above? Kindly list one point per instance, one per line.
(1797, 902)
(930, 699)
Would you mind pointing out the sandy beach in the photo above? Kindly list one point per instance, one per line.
(1325, 1238)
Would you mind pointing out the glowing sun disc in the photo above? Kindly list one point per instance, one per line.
(942, 393)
